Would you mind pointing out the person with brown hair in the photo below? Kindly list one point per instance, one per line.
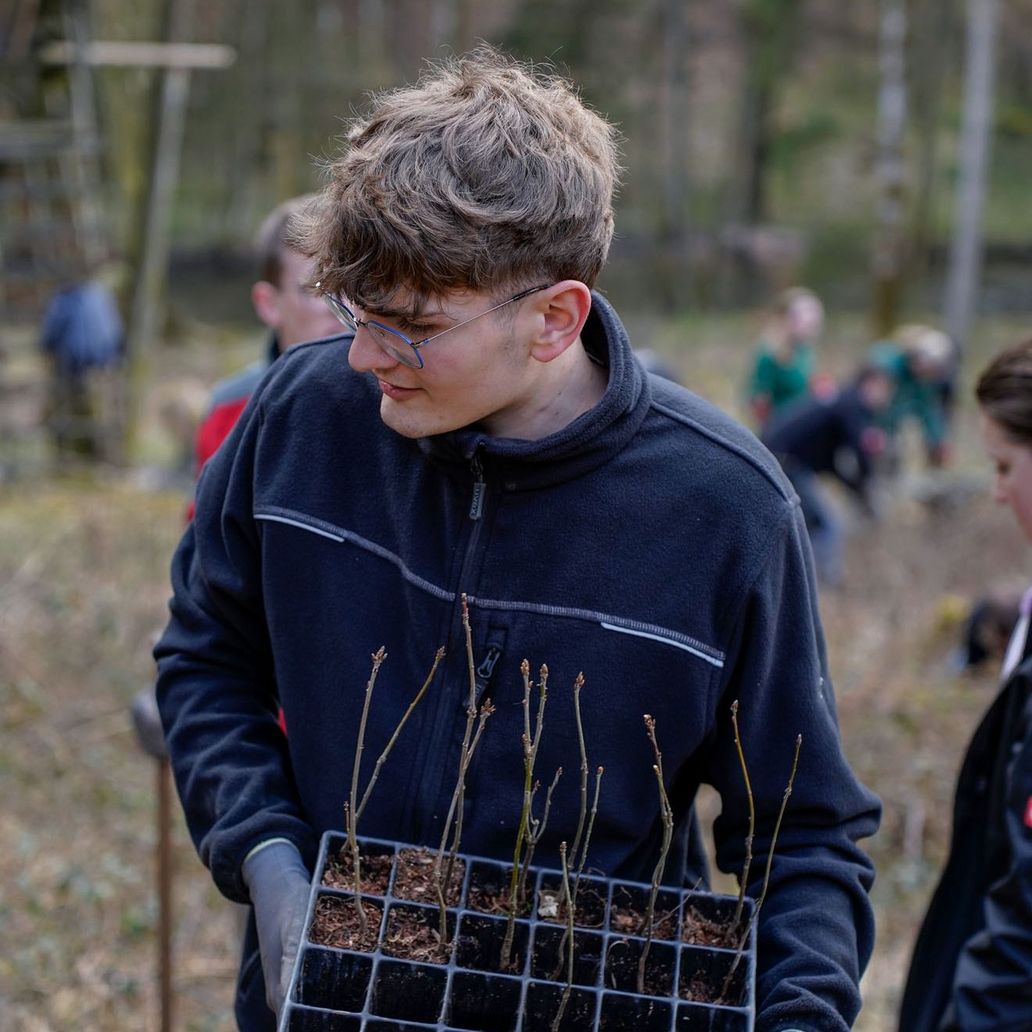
(484, 431)
(972, 964)
(285, 302)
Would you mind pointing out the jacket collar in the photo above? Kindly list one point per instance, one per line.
(578, 447)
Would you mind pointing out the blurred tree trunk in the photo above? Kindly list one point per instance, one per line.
(768, 32)
(675, 278)
(410, 31)
(962, 281)
(888, 256)
(931, 38)
(247, 144)
(148, 255)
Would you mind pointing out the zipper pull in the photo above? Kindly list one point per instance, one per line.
(476, 506)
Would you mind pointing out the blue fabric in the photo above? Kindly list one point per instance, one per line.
(82, 328)
(652, 544)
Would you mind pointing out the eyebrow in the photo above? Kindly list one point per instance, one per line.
(408, 313)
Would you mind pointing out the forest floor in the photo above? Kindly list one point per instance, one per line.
(83, 588)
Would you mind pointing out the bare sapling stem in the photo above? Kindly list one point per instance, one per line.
(740, 951)
(587, 834)
(747, 863)
(530, 742)
(528, 786)
(568, 941)
(580, 868)
(667, 815)
(469, 742)
(455, 813)
(382, 758)
(536, 831)
(351, 807)
(578, 684)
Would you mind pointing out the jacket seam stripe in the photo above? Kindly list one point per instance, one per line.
(614, 623)
(719, 663)
(722, 442)
(340, 536)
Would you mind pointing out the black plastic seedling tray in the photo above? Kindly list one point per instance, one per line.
(338, 990)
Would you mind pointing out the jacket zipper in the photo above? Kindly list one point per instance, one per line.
(428, 786)
(476, 505)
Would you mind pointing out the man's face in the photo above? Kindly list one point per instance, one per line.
(481, 373)
(290, 308)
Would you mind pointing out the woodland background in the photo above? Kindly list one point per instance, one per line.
(851, 147)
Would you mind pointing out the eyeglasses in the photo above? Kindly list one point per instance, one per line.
(393, 341)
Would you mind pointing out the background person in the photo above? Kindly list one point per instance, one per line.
(495, 436)
(972, 964)
(837, 435)
(922, 363)
(82, 335)
(784, 364)
(285, 302)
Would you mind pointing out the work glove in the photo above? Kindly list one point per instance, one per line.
(279, 885)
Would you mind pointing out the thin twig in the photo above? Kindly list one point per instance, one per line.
(744, 881)
(667, 814)
(441, 882)
(578, 684)
(530, 742)
(568, 941)
(351, 808)
(537, 831)
(766, 874)
(382, 758)
(587, 835)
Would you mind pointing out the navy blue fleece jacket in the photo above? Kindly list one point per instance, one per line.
(652, 544)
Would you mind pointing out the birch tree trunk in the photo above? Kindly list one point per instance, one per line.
(964, 272)
(888, 256)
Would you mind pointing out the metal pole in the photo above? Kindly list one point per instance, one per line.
(164, 858)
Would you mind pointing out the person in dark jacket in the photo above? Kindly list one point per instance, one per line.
(834, 434)
(483, 430)
(972, 965)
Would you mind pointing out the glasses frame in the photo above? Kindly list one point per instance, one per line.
(384, 335)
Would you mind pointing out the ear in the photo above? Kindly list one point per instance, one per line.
(562, 310)
(265, 299)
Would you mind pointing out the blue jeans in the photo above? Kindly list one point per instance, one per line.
(822, 523)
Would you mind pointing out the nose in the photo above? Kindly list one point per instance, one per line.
(366, 356)
(999, 491)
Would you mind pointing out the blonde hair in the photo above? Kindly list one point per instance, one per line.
(929, 344)
(485, 175)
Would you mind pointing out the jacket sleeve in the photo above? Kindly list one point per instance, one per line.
(993, 983)
(216, 686)
(816, 928)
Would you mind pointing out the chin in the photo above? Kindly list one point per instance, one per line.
(409, 424)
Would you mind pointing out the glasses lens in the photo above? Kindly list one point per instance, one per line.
(397, 346)
(341, 311)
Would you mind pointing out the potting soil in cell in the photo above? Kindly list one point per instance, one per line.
(402, 976)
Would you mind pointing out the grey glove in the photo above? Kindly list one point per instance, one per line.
(279, 885)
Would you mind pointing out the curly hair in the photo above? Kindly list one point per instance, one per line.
(1004, 391)
(485, 175)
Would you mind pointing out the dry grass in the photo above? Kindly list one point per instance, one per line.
(82, 592)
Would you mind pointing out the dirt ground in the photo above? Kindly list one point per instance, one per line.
(83, 564)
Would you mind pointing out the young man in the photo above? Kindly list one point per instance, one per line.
(495, 437)
(284, 300)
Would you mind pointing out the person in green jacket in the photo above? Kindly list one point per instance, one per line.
(922, 363)
(786, 353)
